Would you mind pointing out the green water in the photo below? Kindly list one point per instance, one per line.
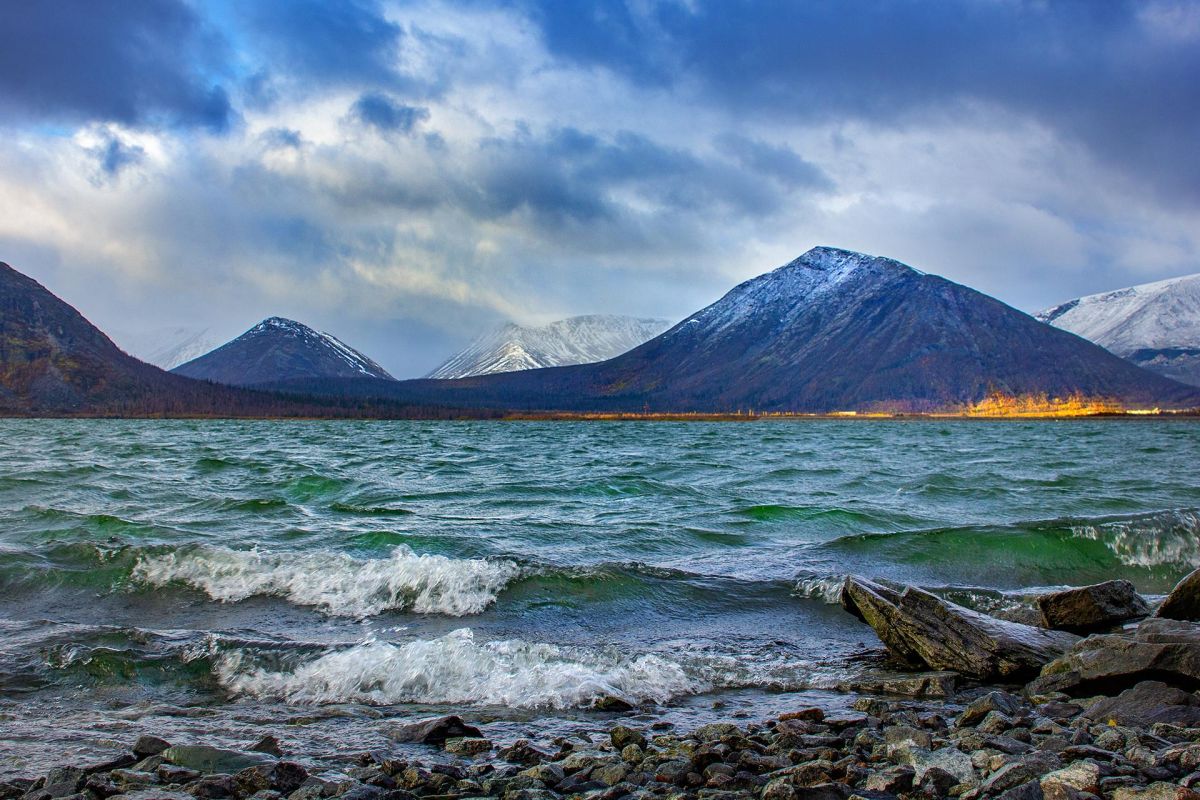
(205, 579)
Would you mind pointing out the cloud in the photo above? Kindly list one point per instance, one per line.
(775, 161)
(1117, 76)
(143, 63)
(386, 114)
(313, 42)
(412, 171)
(114, 155)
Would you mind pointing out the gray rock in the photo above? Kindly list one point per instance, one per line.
(1184, 600)
(1080, 776)
(269, 745)
(1092, 608)
(1030, 790)
(549, 774)
(893, 780)
(63, 781)
(925, 684)
(522, 752)
(1160, 649)
(1145, 704)
(149, 746)
(1155, 791)
(467, 746)
(622, 735)
(1020, 771)
(924, 631)
(203, 758)
(1008, 704)
(153, 794)
(435, 730)
(212, 787)
(951, 759)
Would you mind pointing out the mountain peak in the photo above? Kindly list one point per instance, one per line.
(575, 340)
(280, 349)
(1155, 325)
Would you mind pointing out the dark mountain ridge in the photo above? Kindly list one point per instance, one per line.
(832, 330)
(53, 362)
(279, 349)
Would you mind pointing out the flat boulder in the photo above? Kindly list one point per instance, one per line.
(1184, 600)
(203, 758)
(434, 730)
(1092, 608)
(1145, 704)
(924, 631)
(1164, 650)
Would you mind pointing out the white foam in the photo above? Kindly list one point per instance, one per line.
(335, 582)
(827, 588)
(1166, 539)
(456, 669)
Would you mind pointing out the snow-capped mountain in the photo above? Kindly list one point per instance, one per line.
(575, 340)
(1155, 325)
(167, 347)
(832, 330)
(278, 350)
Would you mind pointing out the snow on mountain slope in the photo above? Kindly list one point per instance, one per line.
(1155, 325)
(279, 349)
(167, 347)
(575, 340)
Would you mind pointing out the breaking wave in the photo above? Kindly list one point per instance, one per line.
(337, 583)
(456, 669)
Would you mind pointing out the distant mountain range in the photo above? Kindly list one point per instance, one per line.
(279, 349)
(1154, 325)
(166, 347)
(575, 340)
(832, 330)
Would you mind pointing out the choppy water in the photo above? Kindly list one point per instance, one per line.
(218, 580)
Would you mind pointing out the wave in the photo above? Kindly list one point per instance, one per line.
(456, 669)
(337, 583)
(1151, 549)
(1149, 540)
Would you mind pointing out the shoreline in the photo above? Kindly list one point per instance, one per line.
(555, 416)
(1095, 700)
(980, 742)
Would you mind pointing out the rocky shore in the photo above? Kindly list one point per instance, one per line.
(1095, 699)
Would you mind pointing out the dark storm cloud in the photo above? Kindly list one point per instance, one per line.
(1103, 73)
(775, 161)
(347, 42)
(136, 63)
(386, 114)
(569, 175)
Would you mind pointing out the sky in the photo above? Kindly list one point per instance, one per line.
(407, 175)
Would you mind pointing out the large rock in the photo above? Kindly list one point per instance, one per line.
(1161, 649)
(435, 730)
(203, 758)
(1184, 600)
(1147, 703)
(924, 631)
(1092, 608)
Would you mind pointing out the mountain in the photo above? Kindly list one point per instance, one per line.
(575, 340)
(279, 349)
(52, 360)
(1154, 325)
(166, 347)
(832, 330)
